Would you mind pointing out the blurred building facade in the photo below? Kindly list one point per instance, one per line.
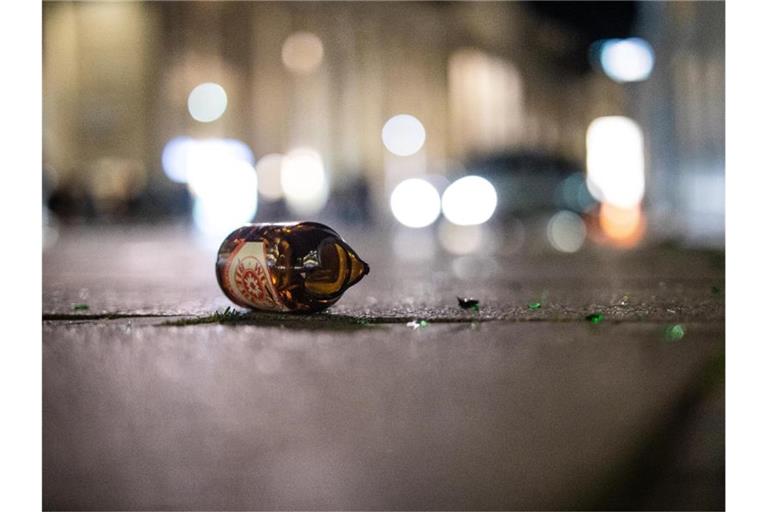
(482, 78)
(682, 108)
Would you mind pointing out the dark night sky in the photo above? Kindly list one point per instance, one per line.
(591, 21)
(595, 20)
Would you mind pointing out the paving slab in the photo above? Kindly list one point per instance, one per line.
(165, 271)
(490, 415)
(148, 404)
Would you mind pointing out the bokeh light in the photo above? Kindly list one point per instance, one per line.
(566, 231)
(403, 135)
(475, 267)
(415, 203)
(573, 193)
(413, 244)
(304, 181)
(624, 227)
(627, 60)
(461, 240)
(268, 170)
(113, 180)
(615, 161)
(469, 201)
(175, 158)
(207, 102)
(182, 153)
(220, 176)
(225, 196)
(302, 52)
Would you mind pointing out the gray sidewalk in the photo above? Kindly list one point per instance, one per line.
(151, 404)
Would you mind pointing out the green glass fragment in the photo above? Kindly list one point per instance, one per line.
(674, 332)
(417, 324)
(595, 318)
(534, 305)
(80, 307)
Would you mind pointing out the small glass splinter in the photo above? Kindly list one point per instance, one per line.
(468, 303)
(594, 318)
(674, 332)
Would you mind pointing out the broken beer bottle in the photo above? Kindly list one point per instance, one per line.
(301, 266)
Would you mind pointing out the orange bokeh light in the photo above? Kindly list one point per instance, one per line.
(623, 227)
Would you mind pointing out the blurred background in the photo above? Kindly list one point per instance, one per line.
(449, 128)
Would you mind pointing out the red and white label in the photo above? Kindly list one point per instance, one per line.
(248, 279)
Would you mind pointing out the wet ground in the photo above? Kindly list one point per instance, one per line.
(151, 402)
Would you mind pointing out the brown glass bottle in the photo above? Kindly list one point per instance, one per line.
(300, 267)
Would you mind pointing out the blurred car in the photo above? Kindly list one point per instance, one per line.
(531, 184)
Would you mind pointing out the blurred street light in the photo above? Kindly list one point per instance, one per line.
(225, 196)
(207, 102)
(403, 135)
(269, 170)
(626, 60)
(615, 161)
(304, 181)
(469, 201)
(461, 240)
(566, 231)
(624, 227)
(183, 153)
(415, 203)
(302, 52)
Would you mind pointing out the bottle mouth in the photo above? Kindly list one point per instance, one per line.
(357, 268)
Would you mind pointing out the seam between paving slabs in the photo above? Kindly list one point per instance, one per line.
(176, 320)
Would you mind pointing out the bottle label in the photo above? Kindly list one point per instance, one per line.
(247, 278)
